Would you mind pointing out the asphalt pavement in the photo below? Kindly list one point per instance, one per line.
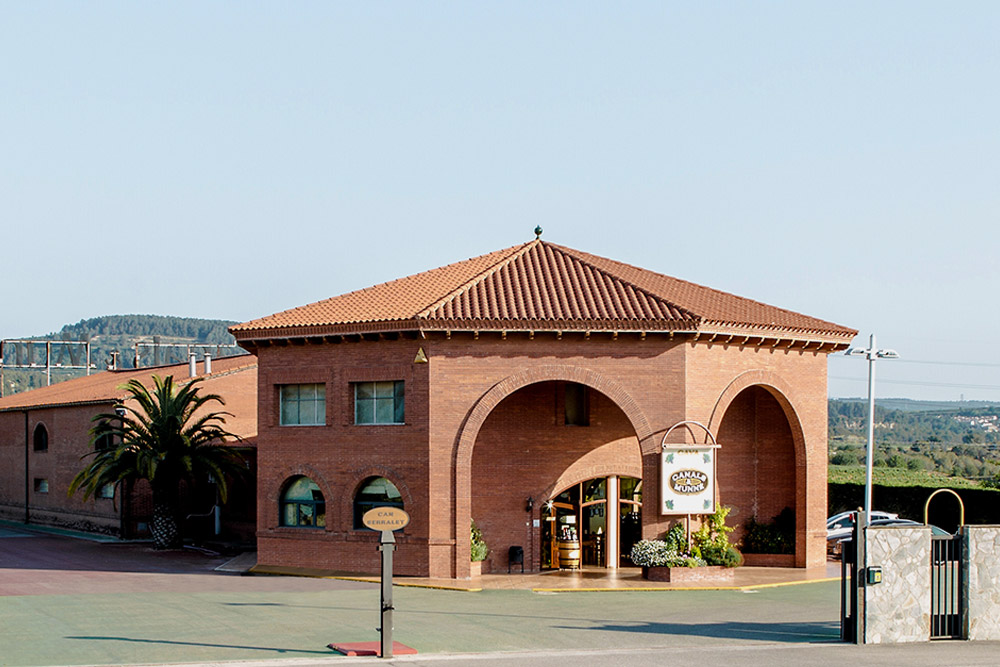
(66, 601)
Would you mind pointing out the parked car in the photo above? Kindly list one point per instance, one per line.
(836, 546)
(839, 525)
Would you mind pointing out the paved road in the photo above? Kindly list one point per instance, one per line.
(70, 602)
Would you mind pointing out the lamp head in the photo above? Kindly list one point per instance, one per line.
(887, 354)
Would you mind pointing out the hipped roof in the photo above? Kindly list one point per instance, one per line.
(539, 286)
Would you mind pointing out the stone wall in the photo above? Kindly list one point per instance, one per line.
(981, 556)
(898, 610)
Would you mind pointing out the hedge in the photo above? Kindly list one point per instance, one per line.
(982, 506)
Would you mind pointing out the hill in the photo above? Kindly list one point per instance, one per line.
(113, 339)
(957, 440)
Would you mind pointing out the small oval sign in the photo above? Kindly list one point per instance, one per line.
(385, 518)
(688, 482)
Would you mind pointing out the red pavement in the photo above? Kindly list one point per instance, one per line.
(40, 564)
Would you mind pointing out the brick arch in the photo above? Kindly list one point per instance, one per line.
(274, 493)
(784, 394)
(477, 416)
(775, 385)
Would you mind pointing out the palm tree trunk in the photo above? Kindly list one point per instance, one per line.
(166, 534)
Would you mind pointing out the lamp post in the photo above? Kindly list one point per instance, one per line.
(872, 353)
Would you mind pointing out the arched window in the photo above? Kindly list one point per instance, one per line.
(41, 438)
(375, 492)
(103, 440)
(302, 504)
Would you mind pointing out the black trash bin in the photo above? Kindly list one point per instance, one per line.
(515, 555)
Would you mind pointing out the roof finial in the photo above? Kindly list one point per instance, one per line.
(538, 232)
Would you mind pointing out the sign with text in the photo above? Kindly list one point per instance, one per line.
(687, 475)
(385, 518)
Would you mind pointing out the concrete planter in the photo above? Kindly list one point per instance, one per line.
(769, 560)
(682, 575)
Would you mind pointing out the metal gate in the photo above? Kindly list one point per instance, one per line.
(946, 587)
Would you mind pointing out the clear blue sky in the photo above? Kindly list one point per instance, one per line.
(235, 159)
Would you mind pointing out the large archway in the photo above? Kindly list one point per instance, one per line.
(537, 440)
(758, 471)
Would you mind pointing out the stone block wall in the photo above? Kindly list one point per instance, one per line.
(981, 556)
(898, 610)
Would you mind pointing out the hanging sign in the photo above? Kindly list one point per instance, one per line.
(687, 476)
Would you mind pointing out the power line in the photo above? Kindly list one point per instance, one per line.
(974, 364)
(918, 383)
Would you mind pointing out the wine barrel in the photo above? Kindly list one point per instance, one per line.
(569, 554)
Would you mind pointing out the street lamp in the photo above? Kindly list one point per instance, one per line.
(872, 353)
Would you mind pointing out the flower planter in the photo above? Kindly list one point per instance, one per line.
(683, 575)
(769, 560)
(476, 569)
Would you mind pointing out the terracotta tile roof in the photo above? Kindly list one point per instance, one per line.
(233, 378)
(538, 286)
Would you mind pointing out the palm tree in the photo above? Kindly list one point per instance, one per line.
(164, 437)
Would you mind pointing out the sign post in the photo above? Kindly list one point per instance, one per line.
(386, 519)
(386, 545)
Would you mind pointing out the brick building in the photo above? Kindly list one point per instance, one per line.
(45, 432)
(529, 389)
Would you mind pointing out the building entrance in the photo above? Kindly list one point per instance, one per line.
(592, 523)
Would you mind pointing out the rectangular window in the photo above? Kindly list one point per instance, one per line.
(106, 491)
(41, 485)
(577, 405)
(303, 404)
(379, 403)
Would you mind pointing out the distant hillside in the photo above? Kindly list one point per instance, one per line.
(959, 438)
(911, 405)
(164, 339)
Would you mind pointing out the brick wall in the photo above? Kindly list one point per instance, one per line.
(482, 434)
(68, 440)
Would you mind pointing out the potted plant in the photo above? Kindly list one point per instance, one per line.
(710, 557)
(478, 551)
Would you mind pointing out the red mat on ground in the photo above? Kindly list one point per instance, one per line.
(371, 648)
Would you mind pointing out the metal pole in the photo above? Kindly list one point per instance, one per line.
(859, 574)
(869, 457)
(386, 545)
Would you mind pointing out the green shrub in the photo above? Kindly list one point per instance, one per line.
(711, 541)
(774, 537)
(479, 550)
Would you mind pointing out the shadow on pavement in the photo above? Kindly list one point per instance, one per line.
(272, 649)
(769, 632)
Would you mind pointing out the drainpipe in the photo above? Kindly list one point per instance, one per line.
(27, 479)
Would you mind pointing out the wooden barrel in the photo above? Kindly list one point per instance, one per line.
(569, 555)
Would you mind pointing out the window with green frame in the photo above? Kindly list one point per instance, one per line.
(379, 403)
(302, 404)
(302, 504)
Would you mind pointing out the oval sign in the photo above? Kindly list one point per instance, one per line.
(385, 518)
(688, 482)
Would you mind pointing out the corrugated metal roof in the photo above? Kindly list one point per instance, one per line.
(539, 286)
